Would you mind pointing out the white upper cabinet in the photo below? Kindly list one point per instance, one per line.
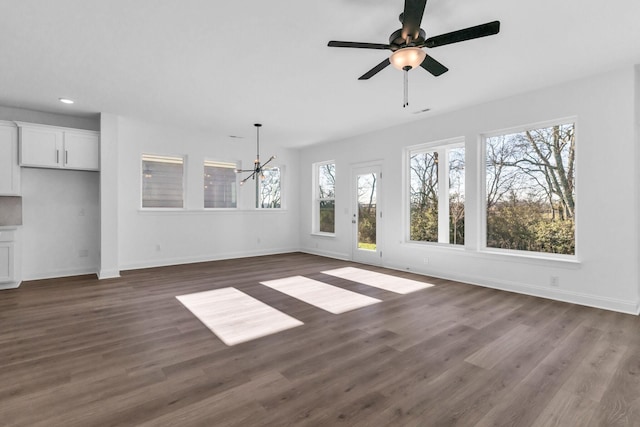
(54, 147)
(81, 150)
(9, 168)
(40, 147)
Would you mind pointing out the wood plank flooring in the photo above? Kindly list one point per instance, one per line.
(125, 352)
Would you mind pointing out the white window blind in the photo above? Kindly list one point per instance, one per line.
(162, 181)
(220, 189)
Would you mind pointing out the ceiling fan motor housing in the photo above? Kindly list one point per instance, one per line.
(398, 42)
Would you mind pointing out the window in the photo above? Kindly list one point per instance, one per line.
(220, 185)
(162, 181)
(271, 188)
(530, 189)
(325, 197)
(436, 192)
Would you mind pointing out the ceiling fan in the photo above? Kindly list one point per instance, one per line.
(406, 43)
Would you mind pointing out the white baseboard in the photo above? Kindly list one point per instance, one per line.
(10, 285)
(108, 274)
(59, 273)
(204, 258)
(596, 301)
(328, 254)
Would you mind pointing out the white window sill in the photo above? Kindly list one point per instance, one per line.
(446, 246)
(531, 256)
(536, 258)
(208, 211)
(320, 234)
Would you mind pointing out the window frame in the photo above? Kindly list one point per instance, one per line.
(236, 166)
(316, 200)
(440, 146)
(281, 170)
(482, 193)
(176, 157)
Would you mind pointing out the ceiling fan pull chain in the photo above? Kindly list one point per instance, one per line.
(406, 86)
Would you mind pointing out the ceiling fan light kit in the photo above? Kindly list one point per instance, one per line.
(407, 44)
(410, 57)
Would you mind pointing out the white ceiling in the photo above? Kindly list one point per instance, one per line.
(219, 67)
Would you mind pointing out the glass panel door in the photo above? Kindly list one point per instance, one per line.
(366, 215)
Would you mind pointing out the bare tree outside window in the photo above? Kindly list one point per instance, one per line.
(530, 190)
(456, 195)
(270, 189)
(436, 194)
(424, 197)
(367, 211)
(326, 176)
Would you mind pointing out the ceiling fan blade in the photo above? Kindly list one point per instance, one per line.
(470, 33)
(375, 70)
(412, 17)
(433, 66)
(359, 45)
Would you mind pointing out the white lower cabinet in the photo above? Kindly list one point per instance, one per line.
(10, 274)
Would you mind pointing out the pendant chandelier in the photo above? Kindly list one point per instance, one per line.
(257, 173)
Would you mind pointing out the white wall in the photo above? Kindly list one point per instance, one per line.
(61, 223)
(637, 161)
(31, 116)
(607, 194)
(109, 178)
(151, 238)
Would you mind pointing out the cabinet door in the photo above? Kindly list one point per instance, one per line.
(6, 262)
(9, 170)
(81, 150)
(40, 147)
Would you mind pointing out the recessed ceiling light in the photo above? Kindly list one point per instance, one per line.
(66, 100)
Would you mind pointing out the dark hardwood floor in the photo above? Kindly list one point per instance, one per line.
(120, 352)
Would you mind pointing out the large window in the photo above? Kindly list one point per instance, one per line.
(271, 188)
(436, 192)
(530, 189)
(162, 181)
(220, 185)
(325, 197)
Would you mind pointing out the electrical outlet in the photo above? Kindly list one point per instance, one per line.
(554, 281)
(158, 248)
(83, 253)
(425, 260)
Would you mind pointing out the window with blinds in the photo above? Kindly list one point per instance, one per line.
(220, 189)
(162, 181)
